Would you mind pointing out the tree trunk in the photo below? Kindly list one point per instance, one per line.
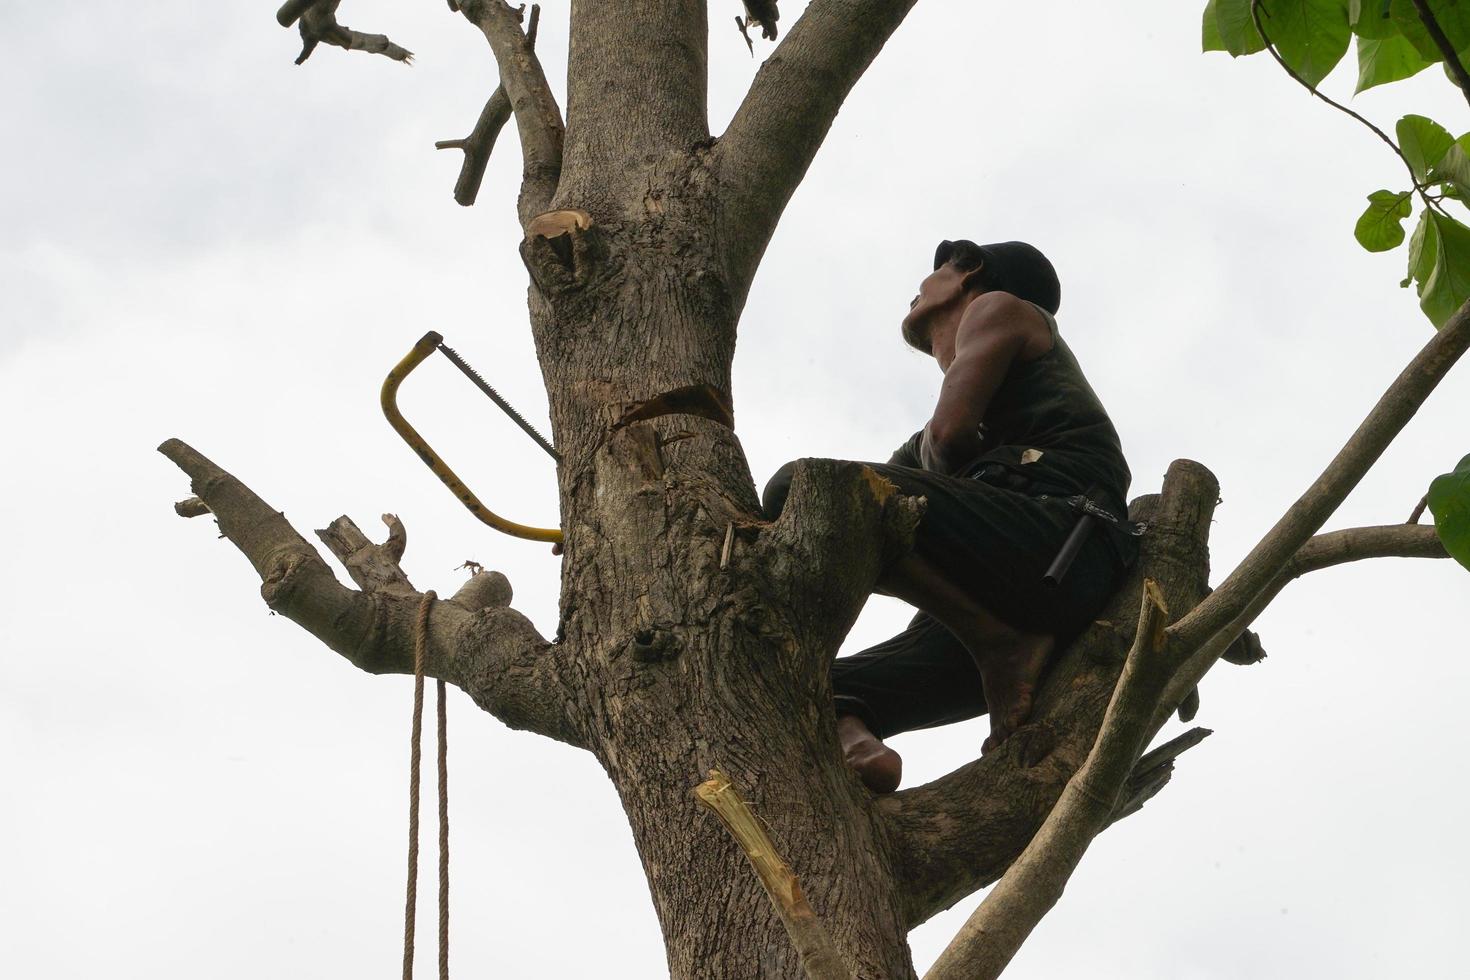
(694, 654)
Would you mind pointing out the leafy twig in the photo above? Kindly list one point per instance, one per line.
(1271, 47)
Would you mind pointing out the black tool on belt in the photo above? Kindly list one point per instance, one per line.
(1089, 512)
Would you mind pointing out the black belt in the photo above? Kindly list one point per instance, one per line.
(1089, 512)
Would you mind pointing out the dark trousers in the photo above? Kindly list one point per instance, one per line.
(921, 678)
(993, 542)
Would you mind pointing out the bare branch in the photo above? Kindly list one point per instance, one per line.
(996, 930)
(1358, 543)
(476, 642)
(1266, 561)
(317, 22)
(480, 143)
(538, 118)
(785, 116)
(819, 957)
(1319, 552)
(1446, 47)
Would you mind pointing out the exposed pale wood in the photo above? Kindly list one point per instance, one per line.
(819, 957)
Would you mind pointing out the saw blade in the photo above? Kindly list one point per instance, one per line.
(505, 406)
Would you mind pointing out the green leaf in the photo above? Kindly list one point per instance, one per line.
(1449, 502)
(1447, 286)
(1423, 141)
(1422, 250)
(1453, 17)
(1210, 30)
(1454, 167)
(1370, 19)
(1382, 226)
(1237, 31)
(1310, 35)
(1389, 59)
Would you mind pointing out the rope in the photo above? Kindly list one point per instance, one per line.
(443, 834)
(420, 651)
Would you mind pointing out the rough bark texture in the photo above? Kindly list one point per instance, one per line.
(696, 636)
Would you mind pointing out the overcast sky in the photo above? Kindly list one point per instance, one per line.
(201, 240)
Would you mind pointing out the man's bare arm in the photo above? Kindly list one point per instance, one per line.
(996, 329)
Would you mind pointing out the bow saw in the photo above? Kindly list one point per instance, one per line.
(426, 346)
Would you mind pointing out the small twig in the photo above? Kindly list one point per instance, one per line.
(819, 957)
(1451, 57)
(191, 507)
(1271, 47)
(1418, 510)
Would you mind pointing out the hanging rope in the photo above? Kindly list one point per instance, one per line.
(420, 649)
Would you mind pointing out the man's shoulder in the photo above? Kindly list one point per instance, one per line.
(997, 311)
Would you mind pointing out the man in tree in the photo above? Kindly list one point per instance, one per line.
(1017, 436)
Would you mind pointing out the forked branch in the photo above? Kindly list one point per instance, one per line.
(476, 641)
(1266, 562)
(1321, 551)
(480, 143)
(538, 118)
(1003, 921)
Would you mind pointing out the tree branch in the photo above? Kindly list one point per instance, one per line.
(819, 957)
(840, 526)
(961, 831)
(318, 24)
(1003, 921)
(1451, 56)
(1269, 557)
(538, 118)
(1319, 552)
(476, 642)
(480, 143)
(785, 116)
(637, 96)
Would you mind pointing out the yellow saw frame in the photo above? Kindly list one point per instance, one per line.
(427, 344)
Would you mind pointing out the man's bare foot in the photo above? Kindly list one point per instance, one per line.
(879, 767)
(1010, 671)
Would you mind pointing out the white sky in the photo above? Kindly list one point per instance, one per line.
(201, 240)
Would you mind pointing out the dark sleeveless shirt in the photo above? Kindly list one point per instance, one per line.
(1046, 431)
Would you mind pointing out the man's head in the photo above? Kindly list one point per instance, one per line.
(964, 270)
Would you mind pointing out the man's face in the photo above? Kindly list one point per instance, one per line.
(940, 291)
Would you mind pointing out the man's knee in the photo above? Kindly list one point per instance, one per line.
(773, 499)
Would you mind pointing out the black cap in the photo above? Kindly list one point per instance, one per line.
(1013, 267)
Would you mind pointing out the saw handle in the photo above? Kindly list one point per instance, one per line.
(389, 399)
